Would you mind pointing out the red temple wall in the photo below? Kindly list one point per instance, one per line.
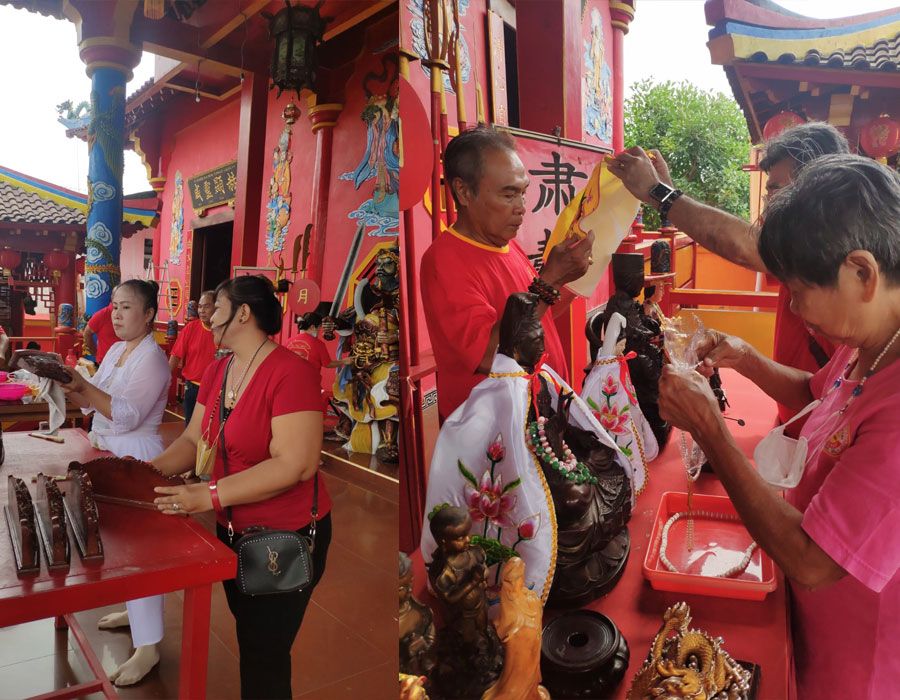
(200, 137)
(564, 29)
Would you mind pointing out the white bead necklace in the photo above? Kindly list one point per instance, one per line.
(708, 515)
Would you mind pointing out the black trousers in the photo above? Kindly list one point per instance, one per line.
(190, 400)
(267, 625)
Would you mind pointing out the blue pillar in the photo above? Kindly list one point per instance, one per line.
(105, 166)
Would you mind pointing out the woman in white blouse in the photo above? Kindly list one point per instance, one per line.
(128, 397)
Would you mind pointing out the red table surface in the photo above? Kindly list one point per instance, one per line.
(753, 631)
(146, 553)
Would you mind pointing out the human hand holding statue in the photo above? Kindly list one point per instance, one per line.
(568, 261)
(687, 401)
(718, 349)
(640, 171)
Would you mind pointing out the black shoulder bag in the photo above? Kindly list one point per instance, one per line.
(270, 561)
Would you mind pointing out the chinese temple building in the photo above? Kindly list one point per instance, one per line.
(785, 68)
(42, 252)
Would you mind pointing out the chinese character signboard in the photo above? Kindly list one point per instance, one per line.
(557, 171)
(213, 188)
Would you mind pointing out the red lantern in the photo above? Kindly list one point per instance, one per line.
(880, 137)
(781, 122)
(56, 261)
(10, 259)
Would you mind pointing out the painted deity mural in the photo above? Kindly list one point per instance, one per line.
(421, 44)
(278, 208)
(597, 82)
(380, 213)
(176, 233)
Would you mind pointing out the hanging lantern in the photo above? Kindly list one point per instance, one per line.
(297, 32)
(781, 122)
(880, 137)
(56, 261)
(10, 259)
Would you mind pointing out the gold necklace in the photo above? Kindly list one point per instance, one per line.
(232, 393)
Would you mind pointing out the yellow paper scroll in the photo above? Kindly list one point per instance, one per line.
(605, 207)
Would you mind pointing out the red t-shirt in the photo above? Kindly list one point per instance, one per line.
(311, 349)
(283, 384)
(792, 343)
(101, 324)
(465, 286)
(196, 348)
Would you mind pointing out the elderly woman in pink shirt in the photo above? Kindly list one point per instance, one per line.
(833, 237)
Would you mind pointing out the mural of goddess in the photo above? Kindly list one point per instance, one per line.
(597, 85)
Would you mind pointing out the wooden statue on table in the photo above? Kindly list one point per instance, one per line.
(519, 628)
(368, 389)
(642, 335)
(590, 489)
(20, 523)
(416, 626)
(51, 522)
(468, 654)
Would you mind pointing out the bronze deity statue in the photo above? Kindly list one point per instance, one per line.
(591, 491)
(642, 335)
(468, 654)
(416, 626)
(371, 331)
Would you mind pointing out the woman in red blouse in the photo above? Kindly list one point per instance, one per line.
(272, 437)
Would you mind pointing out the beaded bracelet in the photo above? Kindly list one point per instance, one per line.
(708, 515)
(546, 292)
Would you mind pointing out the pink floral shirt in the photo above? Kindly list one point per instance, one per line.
(846, 634)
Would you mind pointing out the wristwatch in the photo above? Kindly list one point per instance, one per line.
(665, 196)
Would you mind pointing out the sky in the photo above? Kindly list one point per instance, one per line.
(41, 68)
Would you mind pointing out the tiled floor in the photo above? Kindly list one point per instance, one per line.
(346, 648)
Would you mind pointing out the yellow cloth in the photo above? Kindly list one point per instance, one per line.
(609, 222)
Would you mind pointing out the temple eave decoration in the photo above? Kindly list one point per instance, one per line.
(776, 60)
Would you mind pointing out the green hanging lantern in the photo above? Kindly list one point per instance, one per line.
(297, 31)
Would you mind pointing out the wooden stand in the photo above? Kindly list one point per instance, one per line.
(22, 531)
(50, 516)
(81, 510)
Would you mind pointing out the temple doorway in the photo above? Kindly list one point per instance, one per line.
(211, 259)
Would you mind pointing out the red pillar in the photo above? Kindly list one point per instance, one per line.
(622, 13)
(68, 280)
(250, 162)
(322, 119)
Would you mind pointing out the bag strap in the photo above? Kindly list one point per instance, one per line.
(314, 512)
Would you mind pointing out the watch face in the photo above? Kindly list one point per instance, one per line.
(660, 191)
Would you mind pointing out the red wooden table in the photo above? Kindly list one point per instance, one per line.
(753, 631)
(146, 553)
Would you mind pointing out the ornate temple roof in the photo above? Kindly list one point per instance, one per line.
(27, 200)
(773, 57)
(761, 32)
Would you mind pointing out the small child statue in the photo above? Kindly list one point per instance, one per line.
(468, 653)
(416, 626)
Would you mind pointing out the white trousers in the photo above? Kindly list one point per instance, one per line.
(145, 615)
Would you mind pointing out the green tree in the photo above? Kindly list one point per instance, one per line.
(703, 137)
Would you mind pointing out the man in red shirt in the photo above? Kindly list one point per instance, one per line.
(470, 271)
(194, 351)
(101, 324)
(735, 239)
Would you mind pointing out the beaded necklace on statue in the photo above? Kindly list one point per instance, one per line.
(568, 466)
